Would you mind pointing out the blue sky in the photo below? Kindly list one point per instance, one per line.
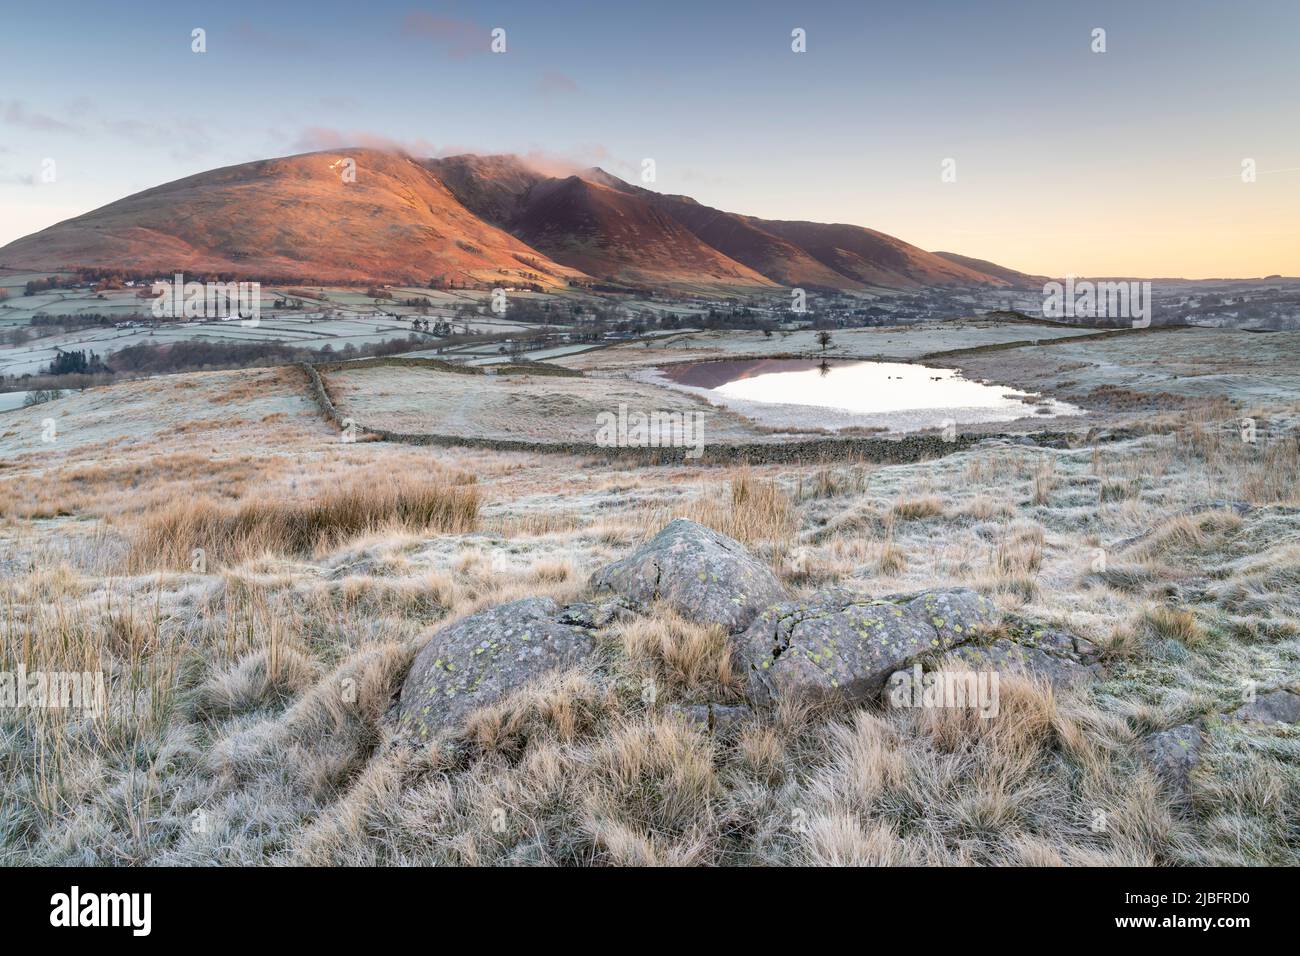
(1067, 160)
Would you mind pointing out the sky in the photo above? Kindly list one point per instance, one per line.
(1059, 159)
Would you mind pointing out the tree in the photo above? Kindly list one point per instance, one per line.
(75, 363)
(40, 396)
(823, 339)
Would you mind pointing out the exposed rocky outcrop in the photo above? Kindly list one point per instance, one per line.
(1065, 659)
(1273, 707)
(1173, 754)
(1007, 656)
(715, 718)
(704, 575)
(849, 650)
(480, 659)
(839, 644)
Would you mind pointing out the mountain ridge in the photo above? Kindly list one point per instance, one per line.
(474, 219)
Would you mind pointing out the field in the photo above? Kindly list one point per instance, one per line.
(888, 342)
(255, 588)
(318, 317)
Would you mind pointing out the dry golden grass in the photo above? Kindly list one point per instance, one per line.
(680, 655)
(258, 695)
(891, 560)
(229, 534)
(1195, 533)
(1044, 481)
(917, 509)
(1019, 552)
(986, 508)
(833, 482)
(752, 510)
(1172, 623)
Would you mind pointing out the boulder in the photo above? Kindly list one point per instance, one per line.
(1173, 754)
(1052, 640)
(957, 614)
(849, 650)
(594, 615)
(1007, 656)
(1273, 707)
(705, 576)
(480, 659)
(717, 718)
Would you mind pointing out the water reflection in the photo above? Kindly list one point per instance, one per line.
(862, 387)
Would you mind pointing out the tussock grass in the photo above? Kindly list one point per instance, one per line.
(832, 482)
(1120, 490)
(1045, 481)
(257, 695)
(986, 508)
(1019, 552)
(1198, 533)
(917, 509)
(1169, 623)
(755, 511)
(679, 655)
(229, 534)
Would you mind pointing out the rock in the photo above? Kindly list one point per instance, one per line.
(1004, 655)
(594, 616)
(836, 594)
(1053, 640)
(850, 650)
(717, 718)
(726, 716)
(480, 659)
(1173, 754)
(957, 614)
(1273, 707)
(697, 715)
(704, 575)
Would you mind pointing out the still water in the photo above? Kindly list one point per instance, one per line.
(895, 395)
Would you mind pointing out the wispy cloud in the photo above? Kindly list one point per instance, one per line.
(17, 179)
(279, 41)
(324, 137)
(15, 113)
(554, 83)
(547, 162)
(187, 138)
(455, 36)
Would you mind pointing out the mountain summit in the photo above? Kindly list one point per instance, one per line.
(473, 220)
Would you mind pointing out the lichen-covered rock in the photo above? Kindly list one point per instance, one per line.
(1052, 640)
(957, 614)
(594, 615)
(702, 574)
(809, 650)
(1273, 707)
(480, 659)
(717, 718)
(1173, 754)
(1006, 656)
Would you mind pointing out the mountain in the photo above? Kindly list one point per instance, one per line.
(596, 223)
(475, 219)
(740, 238)
(812, 254)
(807, 254)
(1010, 276)
(293, 218)
(610, 234)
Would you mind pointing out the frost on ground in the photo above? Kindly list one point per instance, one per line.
(251, 688)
